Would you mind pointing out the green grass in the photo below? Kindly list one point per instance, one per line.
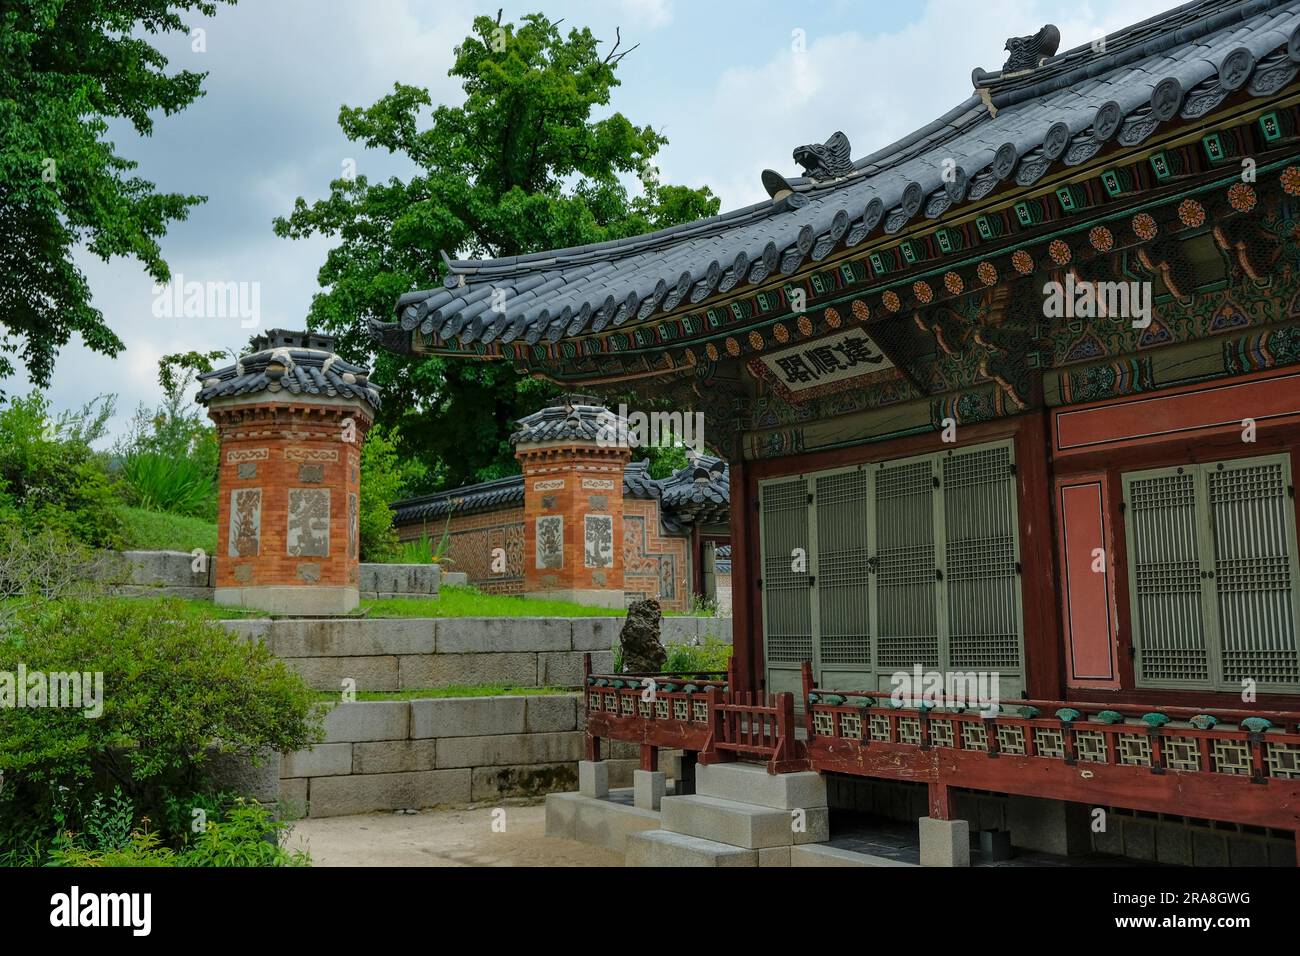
(160, 531)
(470, 602)
(172, 609)
(453, 690)
(453, 601)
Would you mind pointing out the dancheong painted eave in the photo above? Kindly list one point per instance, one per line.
(1041, 112)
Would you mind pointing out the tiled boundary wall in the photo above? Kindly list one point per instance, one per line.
(389, 654)
(654, 564)
(397, 755)
(172, 574)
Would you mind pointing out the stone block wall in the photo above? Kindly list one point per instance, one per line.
(172, 574)
(396, 755)
(389, 654)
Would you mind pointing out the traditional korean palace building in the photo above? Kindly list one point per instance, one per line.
(1017, 395)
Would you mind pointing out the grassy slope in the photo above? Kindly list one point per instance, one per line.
(159, 531)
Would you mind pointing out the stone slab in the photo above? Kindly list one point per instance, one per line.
(329, 673)
(742, 824)
(392, 756)
(480, 635)
(507, 749)
(751, 783)
(368, 720)
(530, 780)
(323, 760)
(662, 848)
(550, 713)
(606, 823)
(366, 793)
(468, 716)
(519, 670)
(944, 842)
(334, 637)
(819, 854)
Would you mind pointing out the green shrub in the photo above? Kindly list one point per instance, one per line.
(711, 654)
(384, 478)
(172, 687)
(156, 481)
(51, 478)
(241, 834)
(419, 551)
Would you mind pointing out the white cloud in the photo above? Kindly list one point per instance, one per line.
(648, 13)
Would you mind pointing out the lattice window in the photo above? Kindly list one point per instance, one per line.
(941, 733)
(851, 726)
(980, 530)
(1231, 756)
(787, 594)
(824, 723)
(878, 727)
(1212, 558)
(1090, 746)
(628, 704)
(700, 711)
(680, 710)
(611, 703)
(643, 707)
(1165, 564)
(661, 709)
(1011, 739)
(1252, 520)
(905, 578)
(974, 736)
(1049, 742)
(843, 582)
(1282, 760)
(1133, 750)
(593, 701)
(909, 730)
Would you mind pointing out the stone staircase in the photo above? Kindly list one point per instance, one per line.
(739, 815)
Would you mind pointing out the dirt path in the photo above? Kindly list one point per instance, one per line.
(443, 838)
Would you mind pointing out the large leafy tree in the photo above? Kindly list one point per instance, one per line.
(67, 67)
(520, 167)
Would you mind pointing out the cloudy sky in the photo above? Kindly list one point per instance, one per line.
(734, 84)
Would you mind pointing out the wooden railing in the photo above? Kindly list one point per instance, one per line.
(695, 711)
(1196, 763)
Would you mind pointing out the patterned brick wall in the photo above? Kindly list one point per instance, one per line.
(656, 564)
(473, 544)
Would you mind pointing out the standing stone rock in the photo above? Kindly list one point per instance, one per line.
(642, 651)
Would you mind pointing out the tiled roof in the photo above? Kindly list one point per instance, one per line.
(682, 499)
(295, 362)
(1016, 126)
(573, 417)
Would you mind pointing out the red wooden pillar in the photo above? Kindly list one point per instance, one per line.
(940, 801)
(744, 632)
(1044, 668)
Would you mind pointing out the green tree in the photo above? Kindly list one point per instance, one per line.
(66, 69)
(520, 167)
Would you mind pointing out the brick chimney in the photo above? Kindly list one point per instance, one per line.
(572, 455)
(292, 417)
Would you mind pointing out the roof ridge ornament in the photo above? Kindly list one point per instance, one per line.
(829, 160)
(1028, 53)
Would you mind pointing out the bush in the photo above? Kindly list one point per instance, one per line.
(382, 481)
(51, 478)
(169, 458)
(176, 484)
(172, 687)
(240, 834)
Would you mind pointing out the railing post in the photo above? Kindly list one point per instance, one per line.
(806, 679)
(586, 670)
(710, 752)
